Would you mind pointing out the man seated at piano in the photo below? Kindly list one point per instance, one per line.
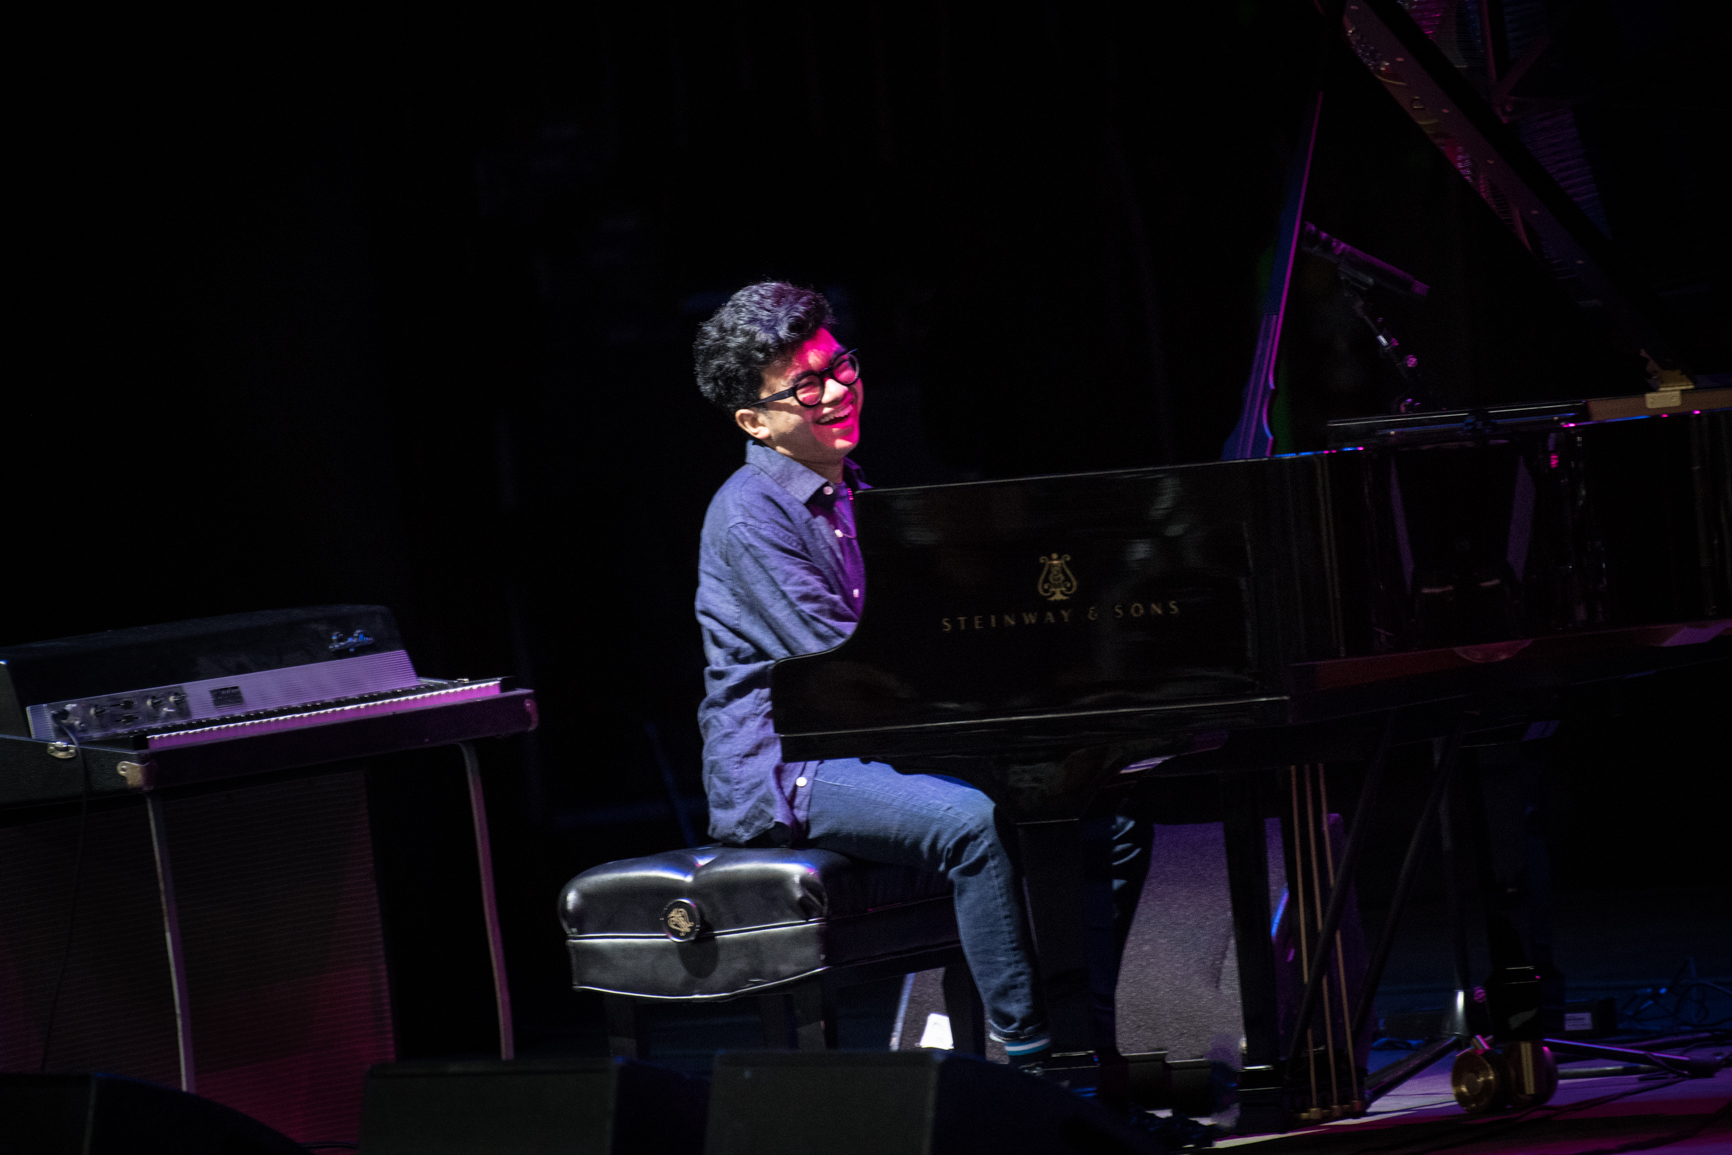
(780, 573)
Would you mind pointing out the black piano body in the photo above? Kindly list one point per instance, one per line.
(1051, 613)
(1041, 636)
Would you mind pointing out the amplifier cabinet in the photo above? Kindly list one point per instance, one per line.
(280, 929)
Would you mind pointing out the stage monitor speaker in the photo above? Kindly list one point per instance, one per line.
(1178, 986)
(531, 1107)
(893, 1103)
(109, 1115)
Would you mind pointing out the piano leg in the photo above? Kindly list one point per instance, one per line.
(1532, 761)
(1445, 759)
(1457, 1020)
(1261, 1103)
(489, 905)
(1052, 863)
(1516, 989)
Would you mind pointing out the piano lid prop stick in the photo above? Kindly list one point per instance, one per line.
(1301, 1029)
(1251, 437)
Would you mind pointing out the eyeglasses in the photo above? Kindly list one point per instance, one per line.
(810, 389)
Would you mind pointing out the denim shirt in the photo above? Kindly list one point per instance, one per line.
(779, 573)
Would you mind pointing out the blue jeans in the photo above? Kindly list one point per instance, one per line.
(868, 810)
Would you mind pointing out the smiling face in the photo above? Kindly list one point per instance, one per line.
(820, 437)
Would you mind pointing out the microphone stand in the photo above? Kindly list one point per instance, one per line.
(1414, 394)
(1356, 272)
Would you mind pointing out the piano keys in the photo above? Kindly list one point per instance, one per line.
(242, 694)
(149, 678)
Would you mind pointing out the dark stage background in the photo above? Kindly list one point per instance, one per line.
(393, 303)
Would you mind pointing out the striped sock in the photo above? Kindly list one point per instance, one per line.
(1027, 1047)
(1029, 1056)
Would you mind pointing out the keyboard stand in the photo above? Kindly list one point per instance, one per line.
(39, 773)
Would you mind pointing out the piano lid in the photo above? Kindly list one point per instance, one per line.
(1499, 327)
(1109, 320)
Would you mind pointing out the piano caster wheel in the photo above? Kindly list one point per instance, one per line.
(1481, 1081)
(1533, 1074)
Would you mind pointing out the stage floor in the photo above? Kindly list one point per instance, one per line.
(1623, 1113)
(1612, 943)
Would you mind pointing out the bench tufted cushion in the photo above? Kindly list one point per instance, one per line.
(769, 917)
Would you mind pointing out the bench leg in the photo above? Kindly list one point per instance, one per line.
(962, 1004)
(814, 1016)
(627, 1036)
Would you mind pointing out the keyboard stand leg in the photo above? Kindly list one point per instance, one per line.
(489, 905)
(171, 931)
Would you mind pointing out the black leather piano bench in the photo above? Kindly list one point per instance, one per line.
(787, 927)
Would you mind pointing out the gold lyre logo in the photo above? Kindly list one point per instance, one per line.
(1056, 583)
(681, 920)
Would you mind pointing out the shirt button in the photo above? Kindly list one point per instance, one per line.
(800, 781)
(838, 533)
(856, 593)
(828, 491)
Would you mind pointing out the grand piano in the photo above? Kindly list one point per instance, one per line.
(1432, 575)
(1053, 638)
(1047, 637)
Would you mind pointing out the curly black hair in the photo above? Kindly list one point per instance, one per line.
(759, 323)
